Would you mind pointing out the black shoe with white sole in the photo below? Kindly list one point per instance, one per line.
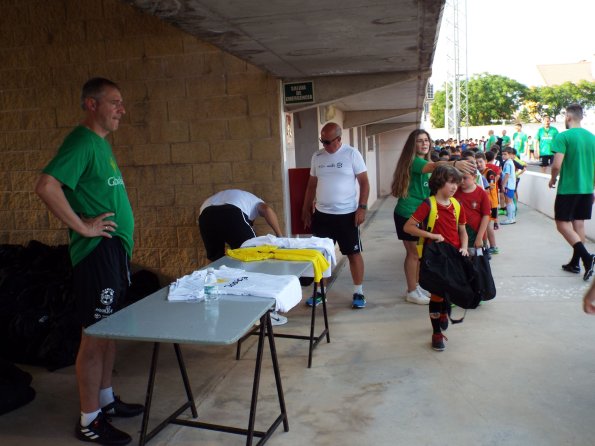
(100, 431)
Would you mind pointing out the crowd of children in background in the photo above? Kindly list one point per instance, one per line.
(500, 167)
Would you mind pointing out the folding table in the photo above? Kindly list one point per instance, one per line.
(154, 319)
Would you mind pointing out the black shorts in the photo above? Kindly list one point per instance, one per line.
(100, 281)
(546, 160)
(572, 207)
(399, 223)
(223, 224)
(339, 227)
(494, 213)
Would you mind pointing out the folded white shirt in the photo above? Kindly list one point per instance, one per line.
(189, 287)
(285, 289)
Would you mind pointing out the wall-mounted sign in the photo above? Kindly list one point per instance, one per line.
(299, 93)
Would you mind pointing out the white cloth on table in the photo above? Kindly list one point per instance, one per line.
(323, 244)
(189, 287)
(285, 289)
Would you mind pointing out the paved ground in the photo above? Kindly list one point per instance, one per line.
(519, 371)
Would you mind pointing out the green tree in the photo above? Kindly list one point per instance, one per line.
(551, 100)
(437, 109)
(492, 98)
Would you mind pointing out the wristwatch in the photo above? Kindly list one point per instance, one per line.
(363, 206)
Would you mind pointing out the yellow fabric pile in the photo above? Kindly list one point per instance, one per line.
(265, 252)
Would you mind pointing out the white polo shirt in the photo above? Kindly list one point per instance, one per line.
(337, 188)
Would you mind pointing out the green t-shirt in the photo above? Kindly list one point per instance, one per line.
(546, 138)
(520, 141)
(578, 168)
(505, 141)
(93, 184)
(491, 141)
(418, 191)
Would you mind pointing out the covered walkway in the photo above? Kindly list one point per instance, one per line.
(519, 371)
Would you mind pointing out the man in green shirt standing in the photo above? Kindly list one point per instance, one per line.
(519, 140)
(492, 139)
(544, 141)
(83, 187)
(574, 159)
(505, 140)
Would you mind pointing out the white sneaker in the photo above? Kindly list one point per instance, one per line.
(277, 319)
(415, 297)
(423, 292)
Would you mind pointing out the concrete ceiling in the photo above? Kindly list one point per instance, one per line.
(371, 59)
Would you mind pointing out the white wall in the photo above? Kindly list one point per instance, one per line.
(369, 154)
(391, 146)
(535, 193)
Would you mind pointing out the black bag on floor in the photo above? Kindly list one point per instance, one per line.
(446, 273)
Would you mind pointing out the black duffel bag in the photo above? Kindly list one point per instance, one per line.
(446, 273)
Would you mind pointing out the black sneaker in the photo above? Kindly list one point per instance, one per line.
(119, 408)
(589, 268)
(570, 268)
(100, 431)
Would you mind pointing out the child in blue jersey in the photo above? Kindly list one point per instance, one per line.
(509, 185)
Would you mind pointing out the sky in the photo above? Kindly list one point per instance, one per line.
(512, 37)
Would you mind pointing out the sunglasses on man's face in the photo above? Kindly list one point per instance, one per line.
(326, 142)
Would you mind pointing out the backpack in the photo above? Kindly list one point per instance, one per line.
(432, 219)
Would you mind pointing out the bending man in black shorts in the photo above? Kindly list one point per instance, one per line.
(227, 217)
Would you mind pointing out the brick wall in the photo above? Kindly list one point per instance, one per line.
(198, 121)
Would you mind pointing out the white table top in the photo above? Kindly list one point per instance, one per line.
(155, 319)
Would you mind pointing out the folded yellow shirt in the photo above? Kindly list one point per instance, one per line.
(265, 252)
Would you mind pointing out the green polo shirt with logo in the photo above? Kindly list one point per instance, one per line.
(418, 191)
(93, 185)
(546, 138)
(578, 167)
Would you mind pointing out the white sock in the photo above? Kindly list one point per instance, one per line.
(87, 418)
(359, 289)
(106, 396)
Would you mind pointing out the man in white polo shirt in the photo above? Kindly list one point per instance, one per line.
(335, 172)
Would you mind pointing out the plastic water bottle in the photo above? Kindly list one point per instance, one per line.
(210, 287)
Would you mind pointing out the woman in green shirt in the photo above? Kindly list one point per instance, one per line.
(410, 186)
